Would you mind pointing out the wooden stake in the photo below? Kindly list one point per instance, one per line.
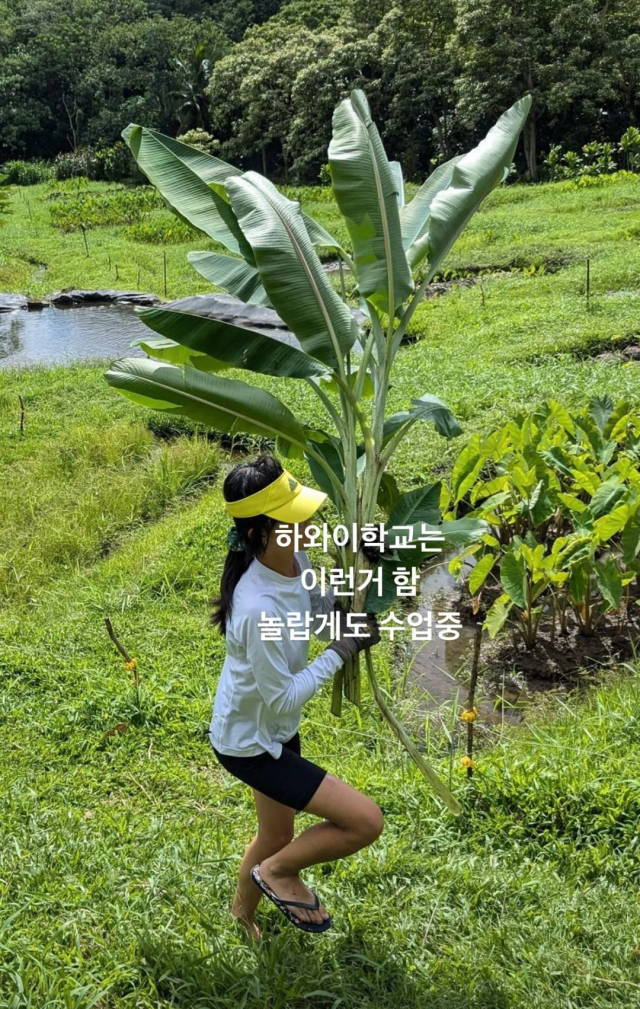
(117, 274)
(84, 235)
(114, 637)
(588, 284)
(21, 415)
(164, 263)
(477, 641)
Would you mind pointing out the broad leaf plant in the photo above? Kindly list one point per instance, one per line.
(272, 260)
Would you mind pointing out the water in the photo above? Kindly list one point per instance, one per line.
(441, 668)
(61, 335)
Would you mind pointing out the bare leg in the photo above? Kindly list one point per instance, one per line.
(275, 830)
(351, 822)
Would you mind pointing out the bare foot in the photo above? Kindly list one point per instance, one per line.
(248, 925)
(292, 888)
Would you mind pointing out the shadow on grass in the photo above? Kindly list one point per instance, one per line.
(291, 971)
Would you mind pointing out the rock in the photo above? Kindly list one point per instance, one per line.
(73, 298)
(607, 358)
(35, 305)
(12, 302)
(631, 353)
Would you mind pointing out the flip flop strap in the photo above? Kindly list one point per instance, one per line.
(299, 903)
(290, 903)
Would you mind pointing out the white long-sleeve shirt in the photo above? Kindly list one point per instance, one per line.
(264, 684)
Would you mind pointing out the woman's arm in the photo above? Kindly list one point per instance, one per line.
(319, 604)
(283, 690)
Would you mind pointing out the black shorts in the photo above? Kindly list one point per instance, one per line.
(290, 779)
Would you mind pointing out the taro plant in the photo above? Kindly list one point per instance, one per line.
(560, 493)
(271, 260)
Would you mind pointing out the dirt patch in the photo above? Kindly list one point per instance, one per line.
(556, 659)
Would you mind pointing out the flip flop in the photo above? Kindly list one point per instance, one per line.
(284, 905)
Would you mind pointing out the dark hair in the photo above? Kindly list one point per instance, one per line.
(247, 478)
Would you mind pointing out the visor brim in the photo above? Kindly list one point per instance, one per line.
(300, 508)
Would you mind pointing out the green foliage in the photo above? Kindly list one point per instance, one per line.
(560, 492)
(247, 214)
(160, 231)
(95, 482)
(538, 871)
(26, 173)
(92, 209)
(595, 160)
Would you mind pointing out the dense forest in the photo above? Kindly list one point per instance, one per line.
(263, 76)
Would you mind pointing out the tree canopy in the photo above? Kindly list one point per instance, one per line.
(264, 75)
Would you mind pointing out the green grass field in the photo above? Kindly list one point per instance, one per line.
(119, 848)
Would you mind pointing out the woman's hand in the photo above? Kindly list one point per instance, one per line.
(368, 634)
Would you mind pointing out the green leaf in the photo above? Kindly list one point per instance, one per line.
(237, 346)
(479, 573)
(420, 505)
(329, 448)
(191, 183)
(292, 274)
(366, 191)
(606, 497)
(232, 275)
(224, 404)
(630, 539)
(396, 169)
(513, 576)
(414, 216)
(466, 470)
(497, 616)
(600, 409)
(428, 408)
(376, 603)
(174, 353)
(609, 582)
(367, 386)
(611, 523)
(473, 178)
(388, 494)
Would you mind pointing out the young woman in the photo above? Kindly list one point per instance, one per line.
(262, 688)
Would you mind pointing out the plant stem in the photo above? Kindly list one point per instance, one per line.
(438, 786)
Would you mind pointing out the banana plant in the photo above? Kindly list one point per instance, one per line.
(271, 260)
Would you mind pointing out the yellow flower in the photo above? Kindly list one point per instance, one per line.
(469, 716)
(468, 762)
(131, 665)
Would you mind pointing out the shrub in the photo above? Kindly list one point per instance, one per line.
(324, 175)
(80, 162)
(27, 173)
(161, 232)
(113, 164)
(202, 140)
(94, 210)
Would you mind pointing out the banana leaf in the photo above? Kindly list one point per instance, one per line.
(291, 273)
(238, 346)
(367, 192)
(224, 404)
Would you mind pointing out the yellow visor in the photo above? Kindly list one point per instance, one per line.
(285, 499)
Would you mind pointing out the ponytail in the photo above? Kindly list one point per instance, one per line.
(250, 534)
